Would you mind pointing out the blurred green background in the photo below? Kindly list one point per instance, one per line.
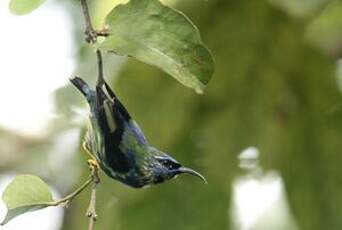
(277, 87)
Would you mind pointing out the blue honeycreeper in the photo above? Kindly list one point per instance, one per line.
(119, 146)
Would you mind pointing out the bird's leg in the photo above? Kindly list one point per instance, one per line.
(94, 167)
(92, 162)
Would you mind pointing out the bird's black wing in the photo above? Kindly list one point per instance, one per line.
(115, 123)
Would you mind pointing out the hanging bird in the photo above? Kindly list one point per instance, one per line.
(117, 144)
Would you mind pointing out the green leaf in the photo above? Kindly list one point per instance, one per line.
(161, 36)
(21, 7)
(24, 194)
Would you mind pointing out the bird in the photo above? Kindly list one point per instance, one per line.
(118, 146)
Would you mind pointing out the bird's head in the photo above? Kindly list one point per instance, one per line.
(165, 168)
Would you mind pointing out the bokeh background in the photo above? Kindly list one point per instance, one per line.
(267, 133)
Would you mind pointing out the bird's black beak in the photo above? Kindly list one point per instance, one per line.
(192, 172)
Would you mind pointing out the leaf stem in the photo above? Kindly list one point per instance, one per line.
(66, 200)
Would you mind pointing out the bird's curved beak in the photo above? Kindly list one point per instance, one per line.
(192, 172)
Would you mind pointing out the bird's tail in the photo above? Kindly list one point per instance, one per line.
(82, 86)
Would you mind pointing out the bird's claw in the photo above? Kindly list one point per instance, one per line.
(92, 162)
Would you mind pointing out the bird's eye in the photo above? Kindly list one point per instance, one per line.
(170, 164)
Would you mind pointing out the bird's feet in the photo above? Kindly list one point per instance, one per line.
(92, 162)
(86, 147)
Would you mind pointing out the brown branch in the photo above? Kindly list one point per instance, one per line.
(91, 37)
(90, 33)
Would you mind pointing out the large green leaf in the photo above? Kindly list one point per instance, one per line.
(24, 194)
(20, 7)
(161, 36)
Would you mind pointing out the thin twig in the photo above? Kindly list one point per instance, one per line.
(91, 36)
(90, 33)
(91, 211)
(67, 199)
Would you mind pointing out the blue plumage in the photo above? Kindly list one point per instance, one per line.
(119, 146)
